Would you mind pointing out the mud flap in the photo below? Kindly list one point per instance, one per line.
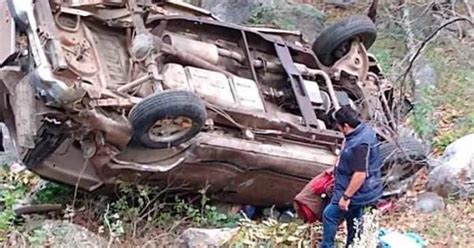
(297, 85)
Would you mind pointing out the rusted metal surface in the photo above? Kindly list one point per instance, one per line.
(206, 51)
(24, 104)
(94, 61)
(355, 62)
(7, 29)
(297, 49)
(297, 85)
(48, 26)
(116, 132)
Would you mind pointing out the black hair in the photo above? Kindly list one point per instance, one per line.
(347, 115)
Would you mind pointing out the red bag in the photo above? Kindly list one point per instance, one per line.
(314, 197)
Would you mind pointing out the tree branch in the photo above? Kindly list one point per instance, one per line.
(469, 9)
(426, 41)
(372, 13)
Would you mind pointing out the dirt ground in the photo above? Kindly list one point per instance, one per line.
(451, 227)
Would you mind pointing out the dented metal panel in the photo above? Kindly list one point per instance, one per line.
(212, 86)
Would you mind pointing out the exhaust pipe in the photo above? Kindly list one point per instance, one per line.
(206, 51)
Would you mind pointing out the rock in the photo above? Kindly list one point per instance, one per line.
(53, 233)
(304, 18)
(424, 75)
(429, 202)
(455, 172)
(235, 11)
(271, 13)
(291, 16)
(197, 237)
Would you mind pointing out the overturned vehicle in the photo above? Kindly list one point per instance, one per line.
(162, 93)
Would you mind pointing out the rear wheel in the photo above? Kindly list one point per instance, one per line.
(334, 41)
(401, 160)
(167, 119)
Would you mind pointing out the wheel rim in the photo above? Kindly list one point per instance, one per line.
(400, 171)
(170, 129)
(342, 50)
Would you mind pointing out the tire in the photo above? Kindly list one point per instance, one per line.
(401, 160)
(407, 148)
(332, 37)
(157, 111)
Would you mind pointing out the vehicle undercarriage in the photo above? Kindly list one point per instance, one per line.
(162, 93)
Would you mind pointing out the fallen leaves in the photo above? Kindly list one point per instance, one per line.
(451, 227)
(271, 233)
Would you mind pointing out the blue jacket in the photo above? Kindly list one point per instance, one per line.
(372, 188)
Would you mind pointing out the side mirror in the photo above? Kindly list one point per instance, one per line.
(20, 9)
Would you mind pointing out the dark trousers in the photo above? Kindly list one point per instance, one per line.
(2, 149)
(332, 216)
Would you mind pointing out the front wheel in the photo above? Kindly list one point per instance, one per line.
(167, 119)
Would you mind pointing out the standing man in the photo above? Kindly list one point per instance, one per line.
(358, 180)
